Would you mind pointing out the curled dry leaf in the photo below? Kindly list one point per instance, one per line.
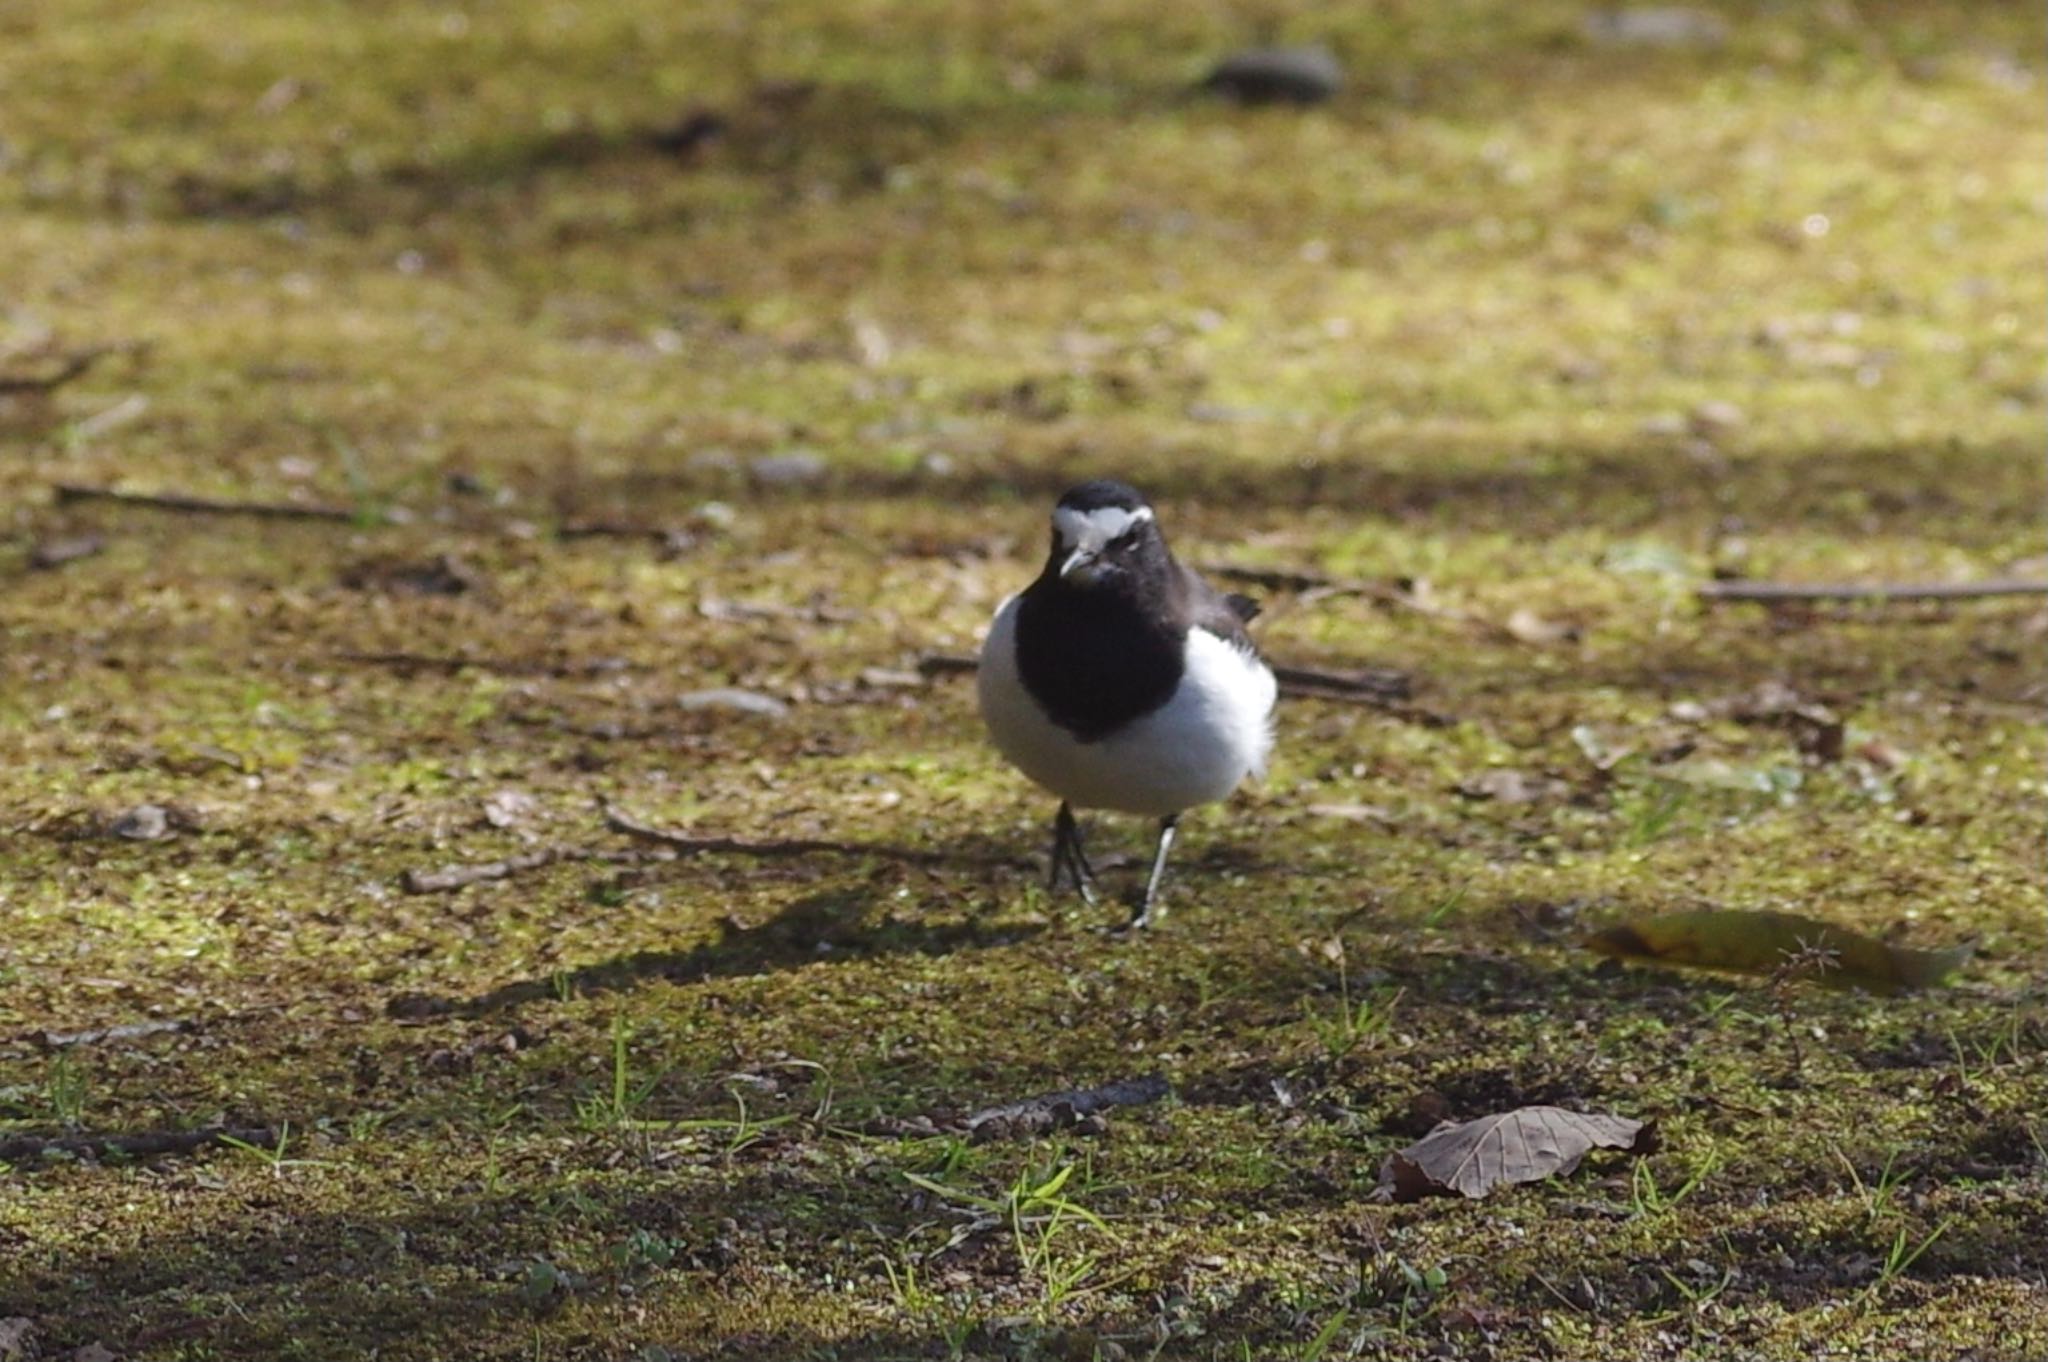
(1528, 1144)
(1746, 942)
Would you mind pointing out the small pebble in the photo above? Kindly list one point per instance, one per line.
(1277, 75)
(791, 469)
(143, 823)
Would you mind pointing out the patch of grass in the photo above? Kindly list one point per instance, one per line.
(1529, 321)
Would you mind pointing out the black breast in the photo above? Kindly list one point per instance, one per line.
(1094, 660)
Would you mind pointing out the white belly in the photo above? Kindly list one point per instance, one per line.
(1194, 749)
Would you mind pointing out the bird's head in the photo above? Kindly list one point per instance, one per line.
(1104, 534)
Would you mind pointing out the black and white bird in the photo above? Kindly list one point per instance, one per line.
(1121, 680)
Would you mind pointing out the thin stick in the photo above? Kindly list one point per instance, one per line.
(68, 492)
(791, 846)
(64, 1040)
(1298, 579)
(1871, 591)
(1385, 593)
(72, 366)
(452, 877)
(1378, 686)
(1054, 1110)
(460, 875)
(452, 663)
(140, 1145)
(1373, 683)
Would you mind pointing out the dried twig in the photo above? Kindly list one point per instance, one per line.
(64, 1040)
(947, 664)
(193, 505)
(1871, 591)
(791, 846)
(71, 366)
(1299, 579)
(1382, 687)
(139, 1145)
(462, 874)
(1376, 684)
(452, 663)
(1057, 1110)
(452, 877)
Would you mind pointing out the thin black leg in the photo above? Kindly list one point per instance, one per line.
(1149, 912)
(1069, 857)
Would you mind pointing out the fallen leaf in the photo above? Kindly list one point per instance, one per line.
(1646, 557)
(1747, 942)
(1525, 1145)
(442, 575)
(1529, 627)
(1604, 755)
(1510, 786)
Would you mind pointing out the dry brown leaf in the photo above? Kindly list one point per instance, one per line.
(1510, 786)
(1525, 1145)
(1746, 942)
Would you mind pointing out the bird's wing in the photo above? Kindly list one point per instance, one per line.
(1222, 615)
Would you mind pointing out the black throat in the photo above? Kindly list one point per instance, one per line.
(1096, 658)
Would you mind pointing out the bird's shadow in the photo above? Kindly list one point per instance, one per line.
(833, 924)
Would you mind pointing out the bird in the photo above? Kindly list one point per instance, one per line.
(1120, 680)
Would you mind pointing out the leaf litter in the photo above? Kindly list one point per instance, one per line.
(1529, 1144)
(1745, 941)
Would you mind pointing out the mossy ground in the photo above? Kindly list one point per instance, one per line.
(1438, 329)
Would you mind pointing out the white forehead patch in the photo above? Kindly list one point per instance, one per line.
(1092, 530)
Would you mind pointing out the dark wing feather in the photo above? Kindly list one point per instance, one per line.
(1222, 615)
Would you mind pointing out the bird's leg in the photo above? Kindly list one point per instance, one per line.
(1149, 911)
(1068, 855)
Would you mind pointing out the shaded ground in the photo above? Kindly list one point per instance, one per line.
(1555, 326)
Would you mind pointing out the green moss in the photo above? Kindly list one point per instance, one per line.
(1460, 326)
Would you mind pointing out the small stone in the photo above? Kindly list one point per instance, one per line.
(712, 461)
(1715, 418)
(509, 808)
(1277, 75)
(54, 553)
(143, 823)
(733, 698)
(793, 468)
(1529, 627)
(715, 515)
(17, 1339)
(1668, 26)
